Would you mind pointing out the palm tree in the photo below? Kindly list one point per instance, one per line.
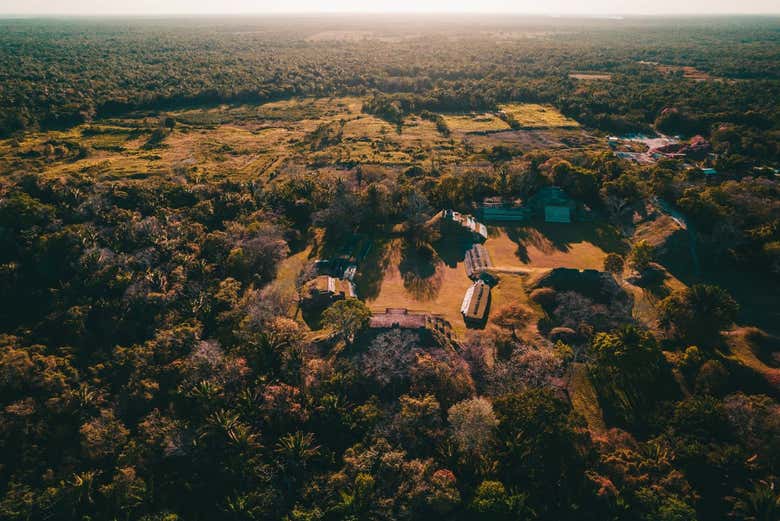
(204, 392)
(82, 485)
(296, 449)
(219, 425)
(86, 399)
(760, 503)
(249, 400)
(242, 437)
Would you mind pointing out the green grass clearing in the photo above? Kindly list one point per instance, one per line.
(552, 245)
(467, 123)
(533, 115)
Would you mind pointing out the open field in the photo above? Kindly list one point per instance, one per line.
(646, 299)
(533, 115)
(468, 123)
(547, 245)
(396, 277)
(688, 72)
(511, 289)
(525, 140)
(755, 293)
(590, 76)
(268, 140)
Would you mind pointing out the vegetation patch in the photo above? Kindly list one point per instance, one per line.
(590, 76)
(745, 345)
(585, 400)
(533, 115)
(474, 123)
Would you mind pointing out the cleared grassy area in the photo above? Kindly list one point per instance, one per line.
(590, 76)
(467, 123)
(743, 348)
(584, 399)
(286, 277)
(533, 115)
(525, 140)
(657, 231)
(265, 141)
(511, 289)
(421, 136)
(367, 127)
(294, 109)
(368, 152)
(689, 72)
(552, 245)
(395, 277)
(645, 309)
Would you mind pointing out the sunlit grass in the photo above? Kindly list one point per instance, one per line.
(533, 115)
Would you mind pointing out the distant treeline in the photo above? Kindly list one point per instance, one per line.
(59, 74)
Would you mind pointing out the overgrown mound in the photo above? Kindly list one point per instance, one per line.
(579, 303)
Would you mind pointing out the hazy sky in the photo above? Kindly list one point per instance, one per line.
(596, 7)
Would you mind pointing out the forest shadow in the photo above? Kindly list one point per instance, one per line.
(418, 268)
(372, 269)
(312, 317)
(453, 245)
(549, 237)
(520, 236)
(757, 296)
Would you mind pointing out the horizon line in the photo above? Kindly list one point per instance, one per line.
(562, 14)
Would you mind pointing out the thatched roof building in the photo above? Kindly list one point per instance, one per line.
(475, 303)
(477, 260)
(478, 229)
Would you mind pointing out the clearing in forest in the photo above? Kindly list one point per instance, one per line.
(590, 76)
(474, 123)
(688, 72)
(286, 282)
(756, 350)
(552, 245)
(395, 275)
(533, 115)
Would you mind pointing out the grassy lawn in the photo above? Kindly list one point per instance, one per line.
(475, 123)
(286, 277)
(511, 290)
(525, 140)
(756, 294)
(394, 277)
(552, 245)
(533, 115)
